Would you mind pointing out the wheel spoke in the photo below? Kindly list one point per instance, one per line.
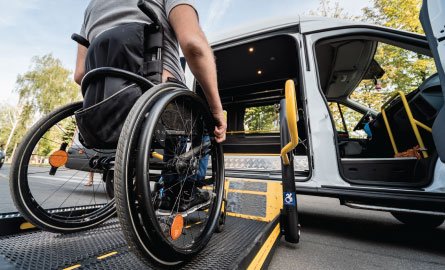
(193, 141)
(178, 187)
(44, 190)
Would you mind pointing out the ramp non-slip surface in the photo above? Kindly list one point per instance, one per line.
(43, 250)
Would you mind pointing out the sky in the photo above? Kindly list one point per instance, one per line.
(37, 27)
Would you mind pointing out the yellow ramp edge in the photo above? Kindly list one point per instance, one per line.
(73, 267)
(107, 255)
(274, 195)
(265, 250)
(274, 204)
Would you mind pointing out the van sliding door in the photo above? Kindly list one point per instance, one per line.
(432, 17)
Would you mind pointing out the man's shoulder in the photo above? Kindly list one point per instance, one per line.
(170, 4)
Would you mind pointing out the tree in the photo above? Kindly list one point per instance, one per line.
(330, 9)
(263, 118)
(47, 85)
(403, 15)
(9, 121)
(404, 70)
(44, 87)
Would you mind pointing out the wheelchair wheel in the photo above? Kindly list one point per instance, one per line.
(222, 217)
(49, 174)
(169, 177)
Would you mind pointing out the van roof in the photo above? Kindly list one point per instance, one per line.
(271, 24)
(305, 23)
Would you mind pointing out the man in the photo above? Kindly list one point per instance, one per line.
(180, 23)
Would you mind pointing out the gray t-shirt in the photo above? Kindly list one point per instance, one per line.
(102, 15)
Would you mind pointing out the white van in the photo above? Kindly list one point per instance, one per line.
(385, 155)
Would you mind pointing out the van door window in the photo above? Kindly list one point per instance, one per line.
(345, 120)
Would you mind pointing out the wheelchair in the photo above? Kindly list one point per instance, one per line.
(166, 145)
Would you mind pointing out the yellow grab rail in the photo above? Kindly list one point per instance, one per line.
(252, 132)
(414, 123)
(157, 155)
(291, 115)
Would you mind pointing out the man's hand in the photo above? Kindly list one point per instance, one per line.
(221, 126)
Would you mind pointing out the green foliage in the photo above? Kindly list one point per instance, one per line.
(263, 118)
(404, 70)
(351, 118)
(326, 8)
(44, 87)
(6, 114)
(47, 85)
(62, 132)
(398, 14)
(68, 128)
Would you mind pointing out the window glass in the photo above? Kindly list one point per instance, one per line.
(351, 117)
(333, 107)
(262, 119)
(405, 71)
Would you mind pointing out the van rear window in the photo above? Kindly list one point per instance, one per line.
(262, 119)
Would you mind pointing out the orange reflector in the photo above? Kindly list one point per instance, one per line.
(58, 158)
(177, 226)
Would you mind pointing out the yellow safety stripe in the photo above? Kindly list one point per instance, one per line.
(193, 224)
(262, 254)
(107, 255)
(251, 192)
(99, 258)
(274, 199)
(251, 217)
(73, 267)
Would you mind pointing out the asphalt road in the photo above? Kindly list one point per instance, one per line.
(337, 237)
(333, 236)
(65, 189)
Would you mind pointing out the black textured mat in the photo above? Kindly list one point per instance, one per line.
(44, 250)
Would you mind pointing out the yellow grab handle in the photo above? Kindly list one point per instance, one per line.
(291, 115)
(414, 123)
(157, 155)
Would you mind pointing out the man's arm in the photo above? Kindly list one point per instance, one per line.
(200, 59)
(80, 63)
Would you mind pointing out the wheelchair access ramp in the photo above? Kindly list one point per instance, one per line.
(247, 242)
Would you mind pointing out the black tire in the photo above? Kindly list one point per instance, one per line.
(1, 165)
(109, 183)
(419, 220)
(222, 217)
(136, 199)
(40, 196)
